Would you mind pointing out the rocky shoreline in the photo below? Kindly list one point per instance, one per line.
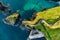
(12, 19)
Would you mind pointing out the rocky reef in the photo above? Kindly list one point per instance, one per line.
(12, 19)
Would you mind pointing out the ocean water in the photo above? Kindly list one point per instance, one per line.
(8, 32)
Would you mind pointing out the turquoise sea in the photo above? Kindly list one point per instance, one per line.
(26, 9)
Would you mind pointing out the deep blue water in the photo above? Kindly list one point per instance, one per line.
(8, 32)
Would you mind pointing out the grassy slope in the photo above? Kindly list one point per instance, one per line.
(54, 33)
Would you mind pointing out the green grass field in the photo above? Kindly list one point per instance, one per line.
(51, 34)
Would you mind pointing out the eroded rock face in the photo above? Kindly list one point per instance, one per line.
(4, 8)
(12, 19)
